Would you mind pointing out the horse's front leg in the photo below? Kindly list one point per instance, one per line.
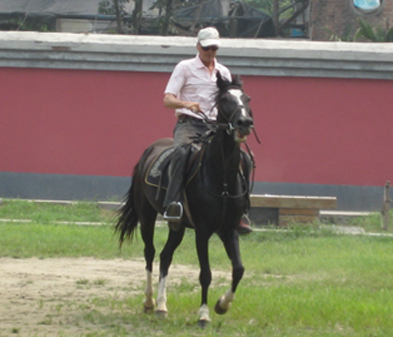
(149, 301)
(205, 276)
(147, 231)
(231, 243)
(174, 240)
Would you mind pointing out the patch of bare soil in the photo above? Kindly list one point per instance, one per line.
(45, 297)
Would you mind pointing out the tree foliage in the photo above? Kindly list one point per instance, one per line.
(20, 22)
(163, 24)
(365, 32)
(116, 8)
(108, 7)
(267, 6)
(374, 34)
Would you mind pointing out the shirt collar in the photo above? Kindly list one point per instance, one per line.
(199, 63)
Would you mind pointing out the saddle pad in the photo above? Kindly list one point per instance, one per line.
(157, 174)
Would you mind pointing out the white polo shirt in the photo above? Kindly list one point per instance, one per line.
(191, 81)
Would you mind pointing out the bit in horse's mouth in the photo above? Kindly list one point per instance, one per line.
(240, 138)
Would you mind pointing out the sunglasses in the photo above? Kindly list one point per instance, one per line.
(213, 48)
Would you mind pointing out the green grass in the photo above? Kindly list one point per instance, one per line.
(47, 213)
(301, 282)
(372, 223)
(46, 240)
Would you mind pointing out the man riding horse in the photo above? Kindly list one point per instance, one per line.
(190, 91)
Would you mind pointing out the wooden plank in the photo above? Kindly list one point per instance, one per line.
(289, 201)
(299, 211)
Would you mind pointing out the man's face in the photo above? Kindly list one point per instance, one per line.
(207, 54)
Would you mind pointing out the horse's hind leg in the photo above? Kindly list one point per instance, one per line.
(174, 240)
(147, 220)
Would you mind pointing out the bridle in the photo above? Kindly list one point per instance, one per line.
(228, 126)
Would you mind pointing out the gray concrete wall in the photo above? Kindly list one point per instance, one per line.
(257, 57)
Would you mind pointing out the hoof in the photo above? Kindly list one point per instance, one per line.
(203, 323)
(161, 314)
(219, 310)
(148, 310)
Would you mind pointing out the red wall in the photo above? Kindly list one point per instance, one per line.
(313, 130)
(79, 122)
(323, 131)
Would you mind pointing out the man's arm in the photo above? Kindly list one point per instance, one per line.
(171, 102)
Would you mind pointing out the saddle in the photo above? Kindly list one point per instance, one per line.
(157, 174)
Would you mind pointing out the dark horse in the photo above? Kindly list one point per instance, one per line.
(215, 197)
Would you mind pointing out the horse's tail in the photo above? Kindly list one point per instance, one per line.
(128, 217)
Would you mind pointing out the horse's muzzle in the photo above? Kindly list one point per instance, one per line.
(243, 128)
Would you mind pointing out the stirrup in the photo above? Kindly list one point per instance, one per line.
(244, 225)
(173, 218)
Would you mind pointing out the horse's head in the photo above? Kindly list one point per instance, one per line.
(233, 109)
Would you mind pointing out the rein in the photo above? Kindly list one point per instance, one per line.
(226, 126)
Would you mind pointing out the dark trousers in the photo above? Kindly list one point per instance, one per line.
(185, 131)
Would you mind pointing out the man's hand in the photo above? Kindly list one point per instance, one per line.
(193, 106)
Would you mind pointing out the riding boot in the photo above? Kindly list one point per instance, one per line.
(172, 202)
(244, 225)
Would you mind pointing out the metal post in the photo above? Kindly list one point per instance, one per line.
(385, 207)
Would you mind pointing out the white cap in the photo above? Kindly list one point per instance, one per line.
(209, 37)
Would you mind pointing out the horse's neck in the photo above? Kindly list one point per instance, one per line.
(223, 156)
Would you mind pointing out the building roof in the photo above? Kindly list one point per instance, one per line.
(65, 7)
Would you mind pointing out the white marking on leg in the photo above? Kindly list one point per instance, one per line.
(204, 313)
(149, 302)
(161, 297)
(227, 299)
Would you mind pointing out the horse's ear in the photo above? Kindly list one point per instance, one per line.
(220, 81)
(237, 81)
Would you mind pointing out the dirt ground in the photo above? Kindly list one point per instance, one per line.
(42, 297)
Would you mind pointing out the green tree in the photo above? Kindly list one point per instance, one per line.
(263, 5)
(270, 6)
(116, 8)
(365, 32)
(283, 12)
(24, 22)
